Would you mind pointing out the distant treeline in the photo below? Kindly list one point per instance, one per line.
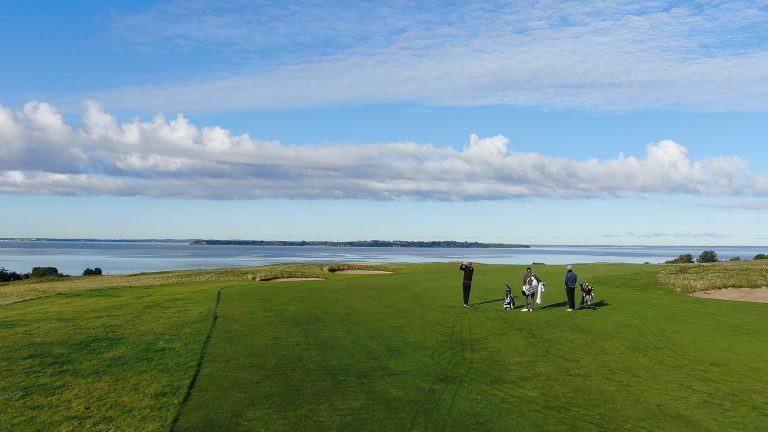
(42, 272)
(361, 243)
(708, 256)
(36, 273)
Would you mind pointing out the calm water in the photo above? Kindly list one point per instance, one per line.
(72, 257)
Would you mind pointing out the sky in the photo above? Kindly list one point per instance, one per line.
(534, 122)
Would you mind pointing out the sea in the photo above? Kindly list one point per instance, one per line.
(129, 257)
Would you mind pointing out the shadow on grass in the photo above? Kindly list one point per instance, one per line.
(562, 304)
(487, 301)
(598, 305)
(555, 305)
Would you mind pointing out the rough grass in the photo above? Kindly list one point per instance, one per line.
(689, 278)
(14, 292)
(309, 271)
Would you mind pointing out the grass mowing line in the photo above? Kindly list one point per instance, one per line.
(199, 365)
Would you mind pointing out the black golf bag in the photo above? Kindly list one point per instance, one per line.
(509, 300)
(587, 296)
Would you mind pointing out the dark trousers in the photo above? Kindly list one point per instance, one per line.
(467, 286)
(570, 292)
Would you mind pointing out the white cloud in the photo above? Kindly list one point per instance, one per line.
(745, 205)
(41, 154)
(680, 234)
(612, 55)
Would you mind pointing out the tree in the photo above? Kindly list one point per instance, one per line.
(708, 256)
(682, 259)
(761, 256)
(9, 276)
(92, 272)
(43, 272)
(736, 258)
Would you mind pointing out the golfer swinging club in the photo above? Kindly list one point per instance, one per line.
(468, 270)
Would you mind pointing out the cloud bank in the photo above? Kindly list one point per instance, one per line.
(40, 153)
(608, 55)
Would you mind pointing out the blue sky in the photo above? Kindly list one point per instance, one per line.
(611, 122)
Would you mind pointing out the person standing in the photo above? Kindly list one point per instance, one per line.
(570, 287)
(530, 284)
(527, 276)
(466, 285)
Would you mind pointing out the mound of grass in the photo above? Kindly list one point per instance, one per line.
(14, 292)
(309, 271)
(337, 267)
(689, 278)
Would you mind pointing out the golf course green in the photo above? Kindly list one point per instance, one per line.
(394, 351)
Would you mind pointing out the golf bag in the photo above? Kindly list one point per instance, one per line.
(529, 290)
(509, 300)
(587, 296)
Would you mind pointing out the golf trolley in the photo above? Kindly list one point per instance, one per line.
(587, 296)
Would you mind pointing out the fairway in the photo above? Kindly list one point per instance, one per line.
(390, 352)
(397, 352)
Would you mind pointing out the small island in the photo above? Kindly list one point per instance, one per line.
(362, 243)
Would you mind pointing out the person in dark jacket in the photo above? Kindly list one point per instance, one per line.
(570, 287)
(466, 285)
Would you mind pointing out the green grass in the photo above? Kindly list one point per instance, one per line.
(386, 352)
(109, 360)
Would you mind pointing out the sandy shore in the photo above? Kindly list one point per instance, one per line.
(737, 294)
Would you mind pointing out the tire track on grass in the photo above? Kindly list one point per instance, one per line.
(200, 359)
(530, 400)
(506, 389)
(458, 358)
(652, 335)
(465, 373)
(457, 367)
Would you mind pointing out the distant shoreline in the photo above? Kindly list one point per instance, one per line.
(363, 243)
(132, 256)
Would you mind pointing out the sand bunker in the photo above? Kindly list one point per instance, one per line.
(737, 294)
(362, 272)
